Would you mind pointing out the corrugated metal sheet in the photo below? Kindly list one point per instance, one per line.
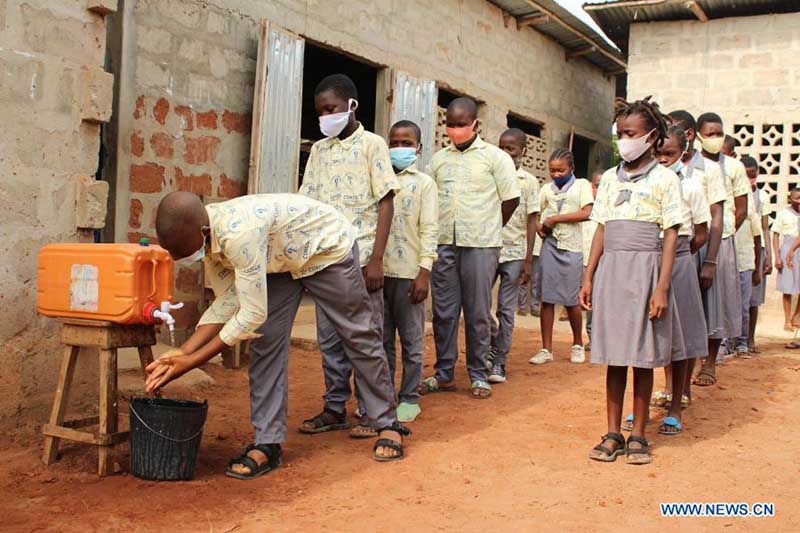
(616, 16)
(566, 38)
(280, 133)
(415, 100)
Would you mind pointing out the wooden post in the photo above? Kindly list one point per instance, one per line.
(108, 406)
(60, 401)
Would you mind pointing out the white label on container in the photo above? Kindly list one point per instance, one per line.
(83, 288)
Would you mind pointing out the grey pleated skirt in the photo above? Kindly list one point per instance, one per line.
(562, 272)
(722, 302)
(759, 294)
(622, 332)
(788, 281)
(686, 287)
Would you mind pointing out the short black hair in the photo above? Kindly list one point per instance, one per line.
(683, 118)
(749, 162)
(517, 134)
(708, 118)
(732, 142)
(408, 124)
(677, 131)
(341, 85)
(465, 103)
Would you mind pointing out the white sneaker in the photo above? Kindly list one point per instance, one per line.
(577, 354)
(542, 356)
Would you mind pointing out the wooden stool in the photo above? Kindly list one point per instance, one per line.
(107, 337)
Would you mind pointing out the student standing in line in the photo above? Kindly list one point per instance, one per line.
(530, 294)
(627, 282)
(692, 235)
(587, 232)
(729, 146)
(748, 260)
(723, 321)
(716, 194)
(784, 231)
(478, 193)
(565, 204)
(409, 258)
(349, 169)
(761, 204)
(262, 251)
(519, 235)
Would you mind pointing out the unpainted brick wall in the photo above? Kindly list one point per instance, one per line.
(186, 101)
(53, 94)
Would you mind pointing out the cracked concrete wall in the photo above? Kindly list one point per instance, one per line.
(53, 95)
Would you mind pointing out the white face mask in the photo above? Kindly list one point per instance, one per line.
(632, 149)
(197, 256)
(677, 166)
(332, 125)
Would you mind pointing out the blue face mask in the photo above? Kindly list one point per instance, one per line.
(402, 158)
(677, 166)
(560, 182)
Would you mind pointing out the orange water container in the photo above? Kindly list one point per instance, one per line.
(120, 283)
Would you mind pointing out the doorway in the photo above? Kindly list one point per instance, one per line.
(581, 150)
(319, 62)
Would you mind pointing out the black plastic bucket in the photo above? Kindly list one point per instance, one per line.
(165, 437)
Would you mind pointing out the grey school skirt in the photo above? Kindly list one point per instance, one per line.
(562, 272)
(686, 287)
(788, 281)
(722, 302)
(622, 332)
(759, 294)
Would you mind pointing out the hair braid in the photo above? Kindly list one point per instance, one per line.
(648, 110)
(563, 154)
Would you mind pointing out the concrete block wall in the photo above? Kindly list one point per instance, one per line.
(53, 96)
(746, 69)
(189, 67)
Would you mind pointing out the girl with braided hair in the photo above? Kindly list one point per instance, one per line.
(565, 204)
(627, 280)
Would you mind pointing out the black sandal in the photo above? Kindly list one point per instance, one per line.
(325, 421)
(273, 453)
(644, 450)
(389, 443)
(611, 455)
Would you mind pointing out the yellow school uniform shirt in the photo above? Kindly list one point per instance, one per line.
(694, 206)
(745, 237)
(352, 175)
(765, 208)
(587, 230)
(254, 235)
(515, 232)
(785, 223)
(472, 186)
(415, 227)
(655, 198)
(569, 236)
(736, 184)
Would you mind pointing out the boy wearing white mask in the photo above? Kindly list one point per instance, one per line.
(408, 261)
(261, 252)
(478, 193)
(349, 169)
(724, 320)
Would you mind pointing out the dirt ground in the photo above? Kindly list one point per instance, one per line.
(516, 462)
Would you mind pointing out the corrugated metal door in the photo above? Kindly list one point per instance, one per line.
(415, 99)
(277, 103)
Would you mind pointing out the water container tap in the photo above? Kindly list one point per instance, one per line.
(165, 316)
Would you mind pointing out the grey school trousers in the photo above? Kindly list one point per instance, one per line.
(530, 294)
(336, 366)
(746, 285)
(408, 320)
(462, 278)
(503, 329)
(338, 289)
